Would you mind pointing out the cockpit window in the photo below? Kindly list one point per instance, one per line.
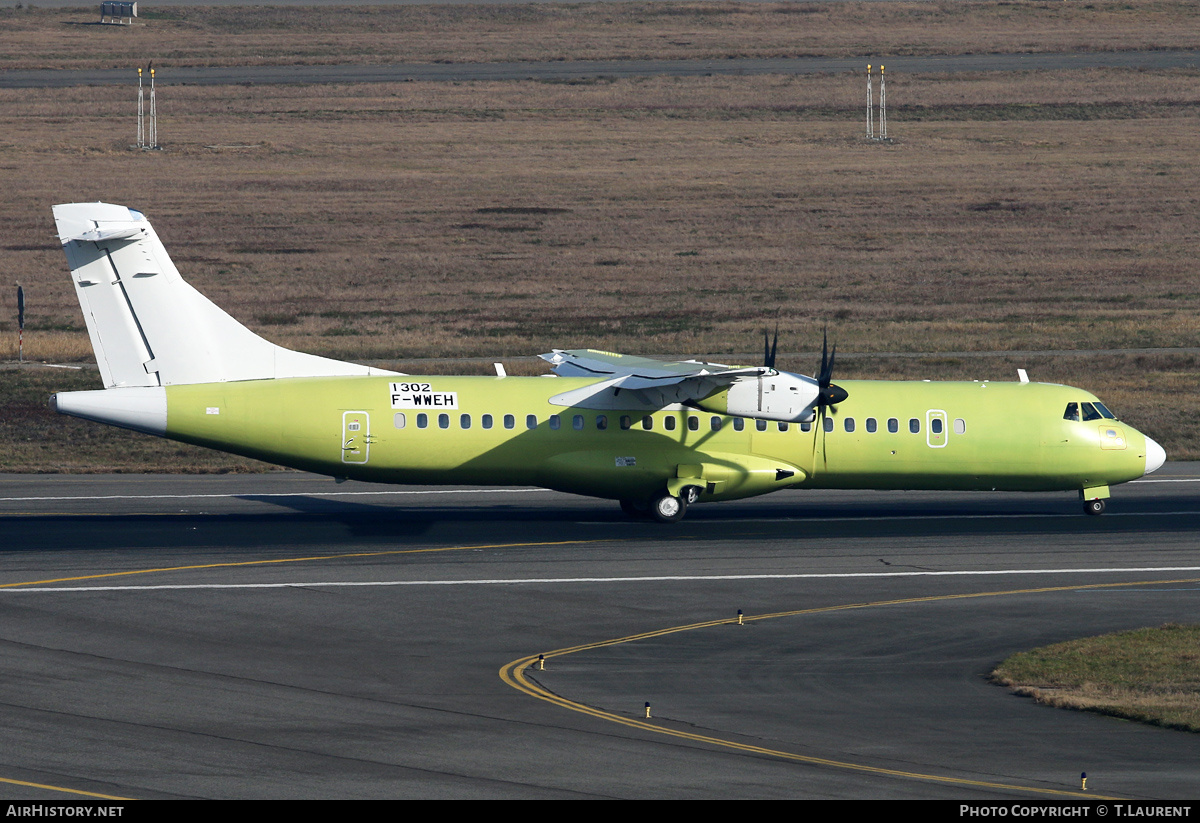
(1090, 412)
(1100, 407)
(1072, 412)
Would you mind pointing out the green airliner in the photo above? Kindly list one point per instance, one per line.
(656, 436)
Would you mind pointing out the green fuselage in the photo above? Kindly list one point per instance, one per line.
(1004, 436)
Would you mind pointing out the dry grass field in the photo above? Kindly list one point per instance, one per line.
(1148, 675)
(389, 222)
(280, 35)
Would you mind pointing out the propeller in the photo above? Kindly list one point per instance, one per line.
(828, 394)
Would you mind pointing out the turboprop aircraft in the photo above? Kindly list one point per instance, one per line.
(656, 436)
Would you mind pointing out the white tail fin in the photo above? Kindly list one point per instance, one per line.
(148, 326)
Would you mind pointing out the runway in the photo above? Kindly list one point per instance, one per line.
(283, 636)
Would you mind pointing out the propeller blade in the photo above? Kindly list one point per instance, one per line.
(770, 347)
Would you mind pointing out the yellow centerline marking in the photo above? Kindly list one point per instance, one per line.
(61, 789)
(299, 560)
(513, 674)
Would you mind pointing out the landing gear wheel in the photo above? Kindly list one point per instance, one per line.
(667, 508)
(637, 509)
(1093, 507)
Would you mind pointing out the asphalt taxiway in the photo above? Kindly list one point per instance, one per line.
(283, 636)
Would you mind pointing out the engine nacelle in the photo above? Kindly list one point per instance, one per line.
(782, 396)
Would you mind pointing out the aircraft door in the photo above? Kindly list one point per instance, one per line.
(356, 437)
(935, 428)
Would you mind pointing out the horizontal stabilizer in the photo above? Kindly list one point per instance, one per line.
(148, 326)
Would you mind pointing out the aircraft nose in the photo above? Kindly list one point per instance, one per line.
(1155, 456)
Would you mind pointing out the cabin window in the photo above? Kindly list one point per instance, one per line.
(510, 422)
(760, 424)
(872, 426)
(555, 422)
(960, 426)
(648, 423)
(739, 424)
(936, 425)
(1072, 412)
(715, 424)
(485, 421)
(443, 421)
(626, 422)
(783, 426)
(400, 420)
(806, 426)
(422, 420)
(693, 423)
(893, 425)
(914, 425)
(531, 421)
(577, 422)
(848, 423)
(669, 424)
(827, 424)
(601, 422)
(464, 420)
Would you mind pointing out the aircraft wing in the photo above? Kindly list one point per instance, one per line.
(629, 382)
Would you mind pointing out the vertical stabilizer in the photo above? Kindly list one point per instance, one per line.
(150, 328)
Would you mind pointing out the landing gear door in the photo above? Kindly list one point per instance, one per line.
(356, 436)
(935, 428)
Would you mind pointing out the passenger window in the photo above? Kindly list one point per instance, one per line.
(914, 425)
(443, 421)
(648, 423)
(464, 420)
(1072, 412)
(960, 426)
(783, 426)
(715, 424)
(626, 422)
(693, 423)
(760, 424)
(577, 422)
(827, 424)
(531, 421)
(849, 424)
(422, 420)
(601, 422)
(806, 426)
(555, 422)
(400, 420)
(669, 423)
(510, 422)
(893, 425)
(739, 424)
(1089, 412)
(936, 425)
(872, 426)
(486, 421)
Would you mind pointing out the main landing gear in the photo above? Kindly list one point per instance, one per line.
(665, 507)
(1094, 507)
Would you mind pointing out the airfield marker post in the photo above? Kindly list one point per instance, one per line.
(141, 128)
(20, 324)
(153, 114)
(882, 106)
(870, 107)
